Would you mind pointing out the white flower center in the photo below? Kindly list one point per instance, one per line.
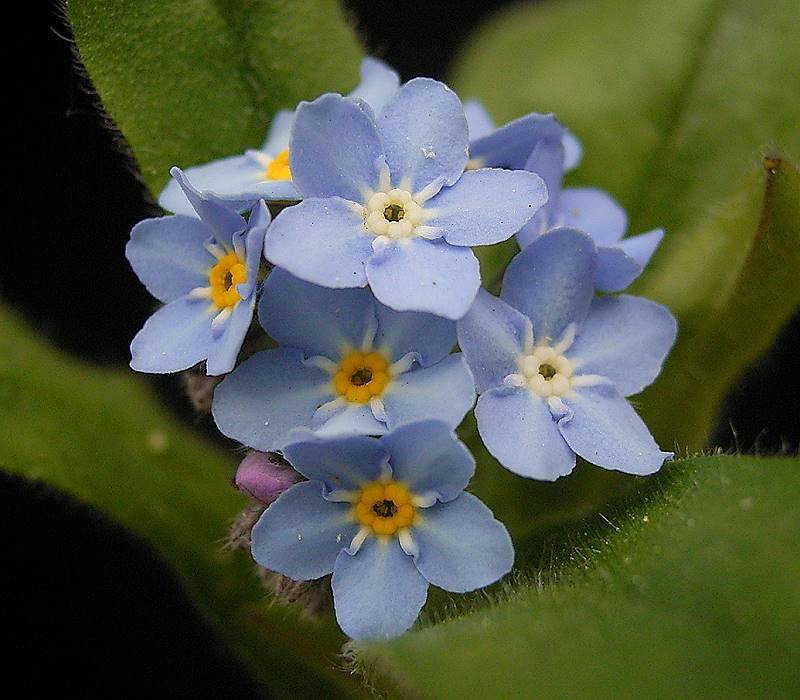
(394, 214)
(545, 371)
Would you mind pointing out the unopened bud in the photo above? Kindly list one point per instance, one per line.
(265, 476)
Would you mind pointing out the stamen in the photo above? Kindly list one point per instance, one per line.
(360, 377)
(278, 168)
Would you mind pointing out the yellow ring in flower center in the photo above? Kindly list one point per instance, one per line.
(278, 168)
(224, 277)
(384, 507)
(362, 376)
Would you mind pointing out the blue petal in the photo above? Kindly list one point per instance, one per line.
(168, 256)
(344, 462)
(486, 206)
(224, 350)
(517, 428)
(511, 144)
(552, 281)
(224, 222)
(424, 132)
(268, 395)
(335, 149)
(254, 246)
(430, 337)
(461, 546)
(625, 339)
(642, 247)
(175, 337)
(479, 121)
(615, 270)
(377, 592)
(603, 428)
(350, 419)
(492, 337)
(573, 150)
(378, 84)
(592, 211)
(427, 456)
(318, 320)
(301, 533)
(421, 275)
(445, 390)
(280, 131)
(321, 241)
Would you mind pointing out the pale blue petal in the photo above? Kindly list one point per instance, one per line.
(257, 225)
(642, 247)
(301, 533)
(427, 456)
(430, 337)
(603, 428)
(517, 428)
(546, 159)
(615, 270)
(175, 337)
(625, 339)
(422, 275)
(378, 84)
(552, 281)
(223, 220)
(224, 349)
(168, 256)
(592, 211)
(268, 395)
(486, 206)
(424, 133)
(377, 592)
(461, 546)
(492, 337)
(445, 390)
(318, 320)
(350, 419)
(479, 122)
(344, 462)
(280, 131)
(573, 150)
(510, 145)
(335, 149)
(321, 241)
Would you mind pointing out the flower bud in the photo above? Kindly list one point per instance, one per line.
(265, 476)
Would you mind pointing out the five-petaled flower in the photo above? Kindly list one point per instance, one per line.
(264, 173)
(387, 202)
(552, 364)
(347, 364)
(205, 270)
(387, 517)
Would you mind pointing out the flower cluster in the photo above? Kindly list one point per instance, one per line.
(364, 283)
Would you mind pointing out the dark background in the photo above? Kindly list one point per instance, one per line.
(97, 609)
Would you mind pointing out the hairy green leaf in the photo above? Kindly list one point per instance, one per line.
(188, 81)
(692, 593)
(102, 436)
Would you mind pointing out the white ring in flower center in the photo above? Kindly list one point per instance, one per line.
(546, 372)
(394, 213)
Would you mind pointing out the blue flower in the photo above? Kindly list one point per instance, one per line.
(387, 201)
(553, 363)
(387, 517)
(264, 173)
(347, 364)
(205, 270)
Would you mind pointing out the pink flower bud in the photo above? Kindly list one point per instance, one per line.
(265, 476)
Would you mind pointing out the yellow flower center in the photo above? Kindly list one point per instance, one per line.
(223, 278)
(384, 507)
(362, 376)
(278, 168)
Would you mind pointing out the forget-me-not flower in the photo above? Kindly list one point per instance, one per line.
(205, 270)
(553, 364)
(347, 364)
(264, 173)
(386, 201)
(387, 517)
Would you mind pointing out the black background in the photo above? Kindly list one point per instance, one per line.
(95, 608)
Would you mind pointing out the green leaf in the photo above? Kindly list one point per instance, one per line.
(692, 593)
(102, 436)
(188, 82)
